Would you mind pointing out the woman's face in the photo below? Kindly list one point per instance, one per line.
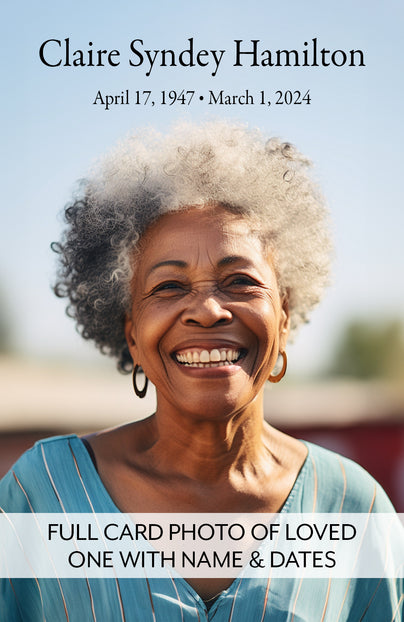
(207, 321)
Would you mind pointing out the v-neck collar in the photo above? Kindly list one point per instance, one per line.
(110, 506)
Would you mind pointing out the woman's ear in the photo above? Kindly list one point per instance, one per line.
(130, 337)
(284, 323)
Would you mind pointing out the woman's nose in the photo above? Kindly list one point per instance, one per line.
(206, 310)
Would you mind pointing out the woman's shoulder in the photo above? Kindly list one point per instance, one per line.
(43, 450)
(44, 475)
(335, 483)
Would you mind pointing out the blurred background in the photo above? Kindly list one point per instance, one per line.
(344, 388)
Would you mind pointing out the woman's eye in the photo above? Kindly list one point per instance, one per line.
(242, 279)
(168, 286)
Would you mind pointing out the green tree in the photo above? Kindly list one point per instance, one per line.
(5, 326)
(370, 349)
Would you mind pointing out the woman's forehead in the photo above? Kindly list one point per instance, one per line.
(200, 239)
(199, 229)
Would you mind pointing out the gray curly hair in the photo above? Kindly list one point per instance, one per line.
(148, 175)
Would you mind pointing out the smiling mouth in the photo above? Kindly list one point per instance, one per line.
(209, 358)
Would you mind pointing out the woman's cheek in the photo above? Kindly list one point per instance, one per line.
(151, 322)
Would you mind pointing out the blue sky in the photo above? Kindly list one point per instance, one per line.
(352, 130)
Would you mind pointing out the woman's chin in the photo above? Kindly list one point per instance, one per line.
(209, 399)
(215, 388)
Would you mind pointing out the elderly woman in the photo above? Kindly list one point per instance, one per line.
(193, 258)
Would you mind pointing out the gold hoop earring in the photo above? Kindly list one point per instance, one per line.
(139, 392)
(281, 374)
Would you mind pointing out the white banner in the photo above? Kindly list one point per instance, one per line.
(201, 545)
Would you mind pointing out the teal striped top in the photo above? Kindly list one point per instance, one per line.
(58, 475)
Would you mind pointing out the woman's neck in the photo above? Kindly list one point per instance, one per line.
(207, 450)
(173, 463)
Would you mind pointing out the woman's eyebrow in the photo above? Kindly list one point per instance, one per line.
(168, 262)
(230, 259)
(225, 261)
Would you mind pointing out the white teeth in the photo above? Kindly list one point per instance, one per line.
(204, 356)
(214, 358)
(221, 364)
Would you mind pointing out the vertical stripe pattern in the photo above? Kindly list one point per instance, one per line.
(64, 511)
